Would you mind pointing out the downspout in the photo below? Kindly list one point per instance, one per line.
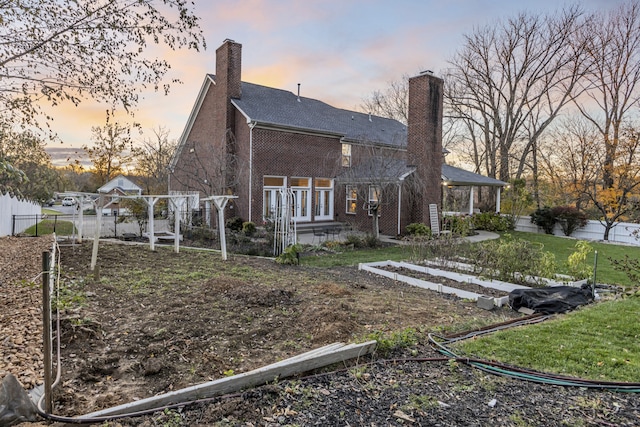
(251, 126)
(399, 204)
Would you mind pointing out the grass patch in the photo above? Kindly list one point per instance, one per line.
(598, 342)
(562, 247)
(49, 226)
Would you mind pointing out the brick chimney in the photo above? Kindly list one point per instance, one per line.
(228, 84)
(424, 139)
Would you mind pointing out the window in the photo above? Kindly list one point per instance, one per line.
(346, 155)
(323, 198)
(301, 191)
(271, 186)
(374, 198)
(352, 199)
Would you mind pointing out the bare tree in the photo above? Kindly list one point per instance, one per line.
(110, 151)
(612, 84)
(212, 169)
(374, 178)
(152, 158)
(53, 52)
(571, 156)
(392, 102)
(510, 81)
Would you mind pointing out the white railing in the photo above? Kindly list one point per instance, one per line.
(621, 233)
(10, 206)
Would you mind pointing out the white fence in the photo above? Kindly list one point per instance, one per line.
(10, 206)
(621, 233)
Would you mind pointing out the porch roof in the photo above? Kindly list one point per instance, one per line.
(454, 176)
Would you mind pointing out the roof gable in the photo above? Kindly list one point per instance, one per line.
(121, 183)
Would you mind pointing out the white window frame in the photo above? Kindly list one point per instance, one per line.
(349, 201)
(374, 196)
(318, 190)
(297, 208)
(346, 155)
(273, 190)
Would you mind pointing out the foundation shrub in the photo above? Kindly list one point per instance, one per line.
(418, 229)
(234, 224)
(248, 228)
(458, 224)
(491, 221)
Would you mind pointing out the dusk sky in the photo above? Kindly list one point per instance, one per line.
(339, 51)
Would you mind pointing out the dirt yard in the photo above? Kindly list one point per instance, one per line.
(148, 323)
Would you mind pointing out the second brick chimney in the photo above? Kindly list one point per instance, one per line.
(424, 139)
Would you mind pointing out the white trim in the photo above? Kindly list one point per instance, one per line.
(330, 204)
(251, 126)
(347, 198)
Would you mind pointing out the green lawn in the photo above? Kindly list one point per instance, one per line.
(48, 226)
(562, 247)
(599, 342)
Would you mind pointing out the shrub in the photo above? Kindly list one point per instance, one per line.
(418, 229)
(491, 221)
(371, 241)
(570, 218)
(458, 225)
(248, 228)
(544, 218)
(577, 261)
(511, 259)
(289, 256)
(234, 224)
(354, 240)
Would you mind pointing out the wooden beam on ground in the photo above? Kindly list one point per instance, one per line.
(324, 356)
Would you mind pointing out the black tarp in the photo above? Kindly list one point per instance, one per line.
(551, 300)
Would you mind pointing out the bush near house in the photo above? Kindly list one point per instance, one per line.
(491, 221)
(418, 229)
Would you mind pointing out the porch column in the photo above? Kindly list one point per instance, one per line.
(498, 200)
(471, 201)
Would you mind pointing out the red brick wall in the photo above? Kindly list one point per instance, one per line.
(288, 154)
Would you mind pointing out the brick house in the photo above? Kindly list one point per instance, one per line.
(252, 141)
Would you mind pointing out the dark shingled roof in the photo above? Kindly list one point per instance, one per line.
(376, 169)
(281, 108)
(456, 176)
